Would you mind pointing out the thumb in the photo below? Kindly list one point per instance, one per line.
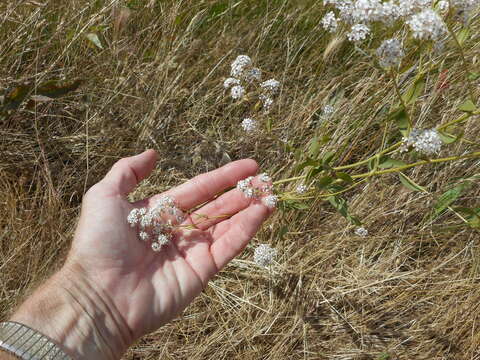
(128, 172)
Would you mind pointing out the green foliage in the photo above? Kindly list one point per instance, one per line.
(467, 106)
(472, 216)
(463, 35)
(400, 117)
(414, 91)
(341, 205)
(291, 204)
(387, 162)
(445, 200)
(409, 183)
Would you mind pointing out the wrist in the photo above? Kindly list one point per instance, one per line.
(80, 318)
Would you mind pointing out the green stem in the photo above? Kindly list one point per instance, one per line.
(462, 118)
(422, 162)
(397, 91)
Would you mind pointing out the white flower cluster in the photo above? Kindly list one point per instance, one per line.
(330, 22)
(358, 32)
(424, 22)
(264, 255)
(301, 189)
(427, 25)
(427, 141)
(243, 74)
(328, 110)
(361, 231)
(249, 124)
(263, 192)
(156, 223)
(390, 53)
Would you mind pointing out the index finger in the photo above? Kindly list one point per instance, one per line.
(204, 187)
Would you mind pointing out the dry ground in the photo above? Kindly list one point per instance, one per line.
(410, 290)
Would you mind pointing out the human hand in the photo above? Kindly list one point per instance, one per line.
(129, 290)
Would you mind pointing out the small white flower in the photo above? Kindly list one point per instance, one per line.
(264, 255)
(146, 220)
(254, 74)
(330, 22)
(301, 189)
(143, 235)
(239, 64)
(361, 231)
(358, 32)
(390, 53)
(229, 82)
(156, 247)
(246, 187)
(163, 239)
(249, 124)
(264, 177)
(270, 201)
(237, 91)
(271, 85)
(427, 25)
(427, 142)
(443, 5)
(328, 110)
(266, 101)
(133, 217)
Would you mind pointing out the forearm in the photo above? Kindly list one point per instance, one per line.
(75, 315)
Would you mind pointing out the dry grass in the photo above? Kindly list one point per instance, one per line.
(410, 290)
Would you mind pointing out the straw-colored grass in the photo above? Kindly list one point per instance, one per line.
(410, 290)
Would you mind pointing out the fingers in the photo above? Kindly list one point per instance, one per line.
(223, 207)
(204, 187)
(231, 236)
(128, 172)
(219, 210)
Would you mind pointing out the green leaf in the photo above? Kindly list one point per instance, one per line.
(323, 182)
(409, 183)
(344, 176)
(327, 158)
(463, 35)
(293, 205)
(307, 163)
(340, 204)
(414, 91)
(314, 147)
(401, 119)
(467, 106)
(55, 89)
(269, 124)
(448, 138)
(472, 216)
(473, 76)
(313, 172)
(388, 162)
(95, 40)
(445, 200)
(373, 163)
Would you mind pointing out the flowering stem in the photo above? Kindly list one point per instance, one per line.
(422, 162)
(397, 91)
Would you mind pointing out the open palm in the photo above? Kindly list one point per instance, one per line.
(147, 288)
